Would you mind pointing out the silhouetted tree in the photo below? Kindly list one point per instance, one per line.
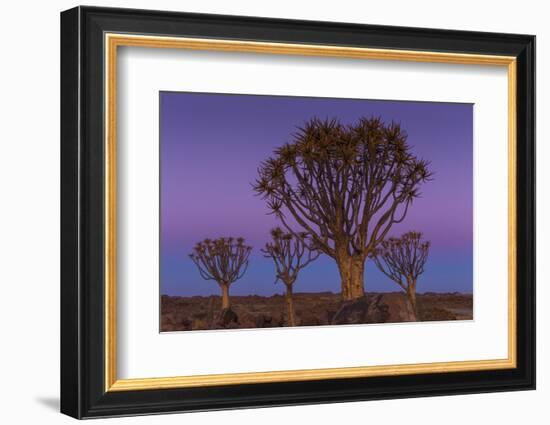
(345, 185)
(402, 260)
(290, 254)
(223, 260)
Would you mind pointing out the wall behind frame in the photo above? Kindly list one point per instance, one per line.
(29, 219)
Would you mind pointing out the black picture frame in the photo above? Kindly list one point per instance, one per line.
(83, 392)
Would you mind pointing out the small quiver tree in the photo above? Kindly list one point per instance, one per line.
(223, 260)
(290, 253)
(346, 186)
(402, 260)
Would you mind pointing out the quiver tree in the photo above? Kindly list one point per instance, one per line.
(290, 253)
(223, 260)
(402, 260)
(345, 186)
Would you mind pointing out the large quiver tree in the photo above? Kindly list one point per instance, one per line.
(402, 260)
(223, 260)
(290, 254)
(345, 185)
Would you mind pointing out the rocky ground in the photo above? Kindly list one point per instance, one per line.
(312, 309)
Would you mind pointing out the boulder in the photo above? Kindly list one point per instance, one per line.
(398, 307)
(354, 312)
(379, 308)
(264, 320)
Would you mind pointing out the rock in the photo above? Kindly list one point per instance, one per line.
(439, 314)
(399, 309)
(264, 321)
(309, 320)
(200, 324)
(227, 319)
(281, 320)
(329, 315)
(267, 320)
(247, 320)
(380, 308)
(169, 318)
(202, 313)
(174, 321)
(353, 312)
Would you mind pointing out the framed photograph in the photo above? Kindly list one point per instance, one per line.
(261, 212)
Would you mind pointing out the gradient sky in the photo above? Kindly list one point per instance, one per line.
(211, 145)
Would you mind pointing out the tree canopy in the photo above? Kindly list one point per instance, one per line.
(345, 185)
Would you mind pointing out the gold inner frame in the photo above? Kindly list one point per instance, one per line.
(113, 41)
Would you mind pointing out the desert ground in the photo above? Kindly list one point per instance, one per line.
(312, 309)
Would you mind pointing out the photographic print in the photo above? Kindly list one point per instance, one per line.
(284, 211)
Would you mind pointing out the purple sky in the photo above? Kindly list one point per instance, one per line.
(211, 145)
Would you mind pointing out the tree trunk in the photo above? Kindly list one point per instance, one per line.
(352, 271)
(411, 295)
(290, 306)
(225, 296)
